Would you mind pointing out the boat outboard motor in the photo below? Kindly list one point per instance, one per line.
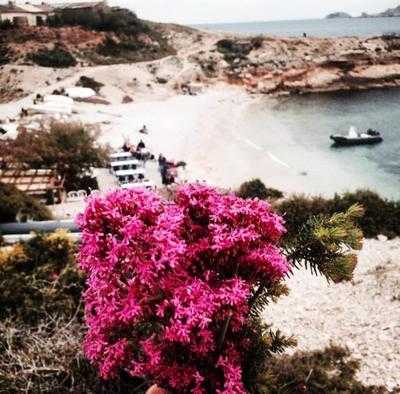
(373, 132)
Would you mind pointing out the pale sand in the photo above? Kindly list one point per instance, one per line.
(363, 315)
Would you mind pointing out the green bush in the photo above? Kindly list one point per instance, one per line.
(6, 25)
(112, 48)
(41, 321)
(327, 371)
(298, 209)
(117, 20)
(56, 58)
(381, 216)
(91, 83)
(4, 54)
(39, 278)
(256, 189)
(14, 202)
(235, 49)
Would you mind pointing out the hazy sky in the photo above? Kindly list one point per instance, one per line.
(198, 11)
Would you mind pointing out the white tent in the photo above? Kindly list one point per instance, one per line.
(57, 99)
(80, 93)
(50, 108)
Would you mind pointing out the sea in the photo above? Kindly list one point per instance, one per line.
(340, 27)
(297, 131)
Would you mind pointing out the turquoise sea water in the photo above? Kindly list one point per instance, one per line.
(312, 27)
(297, 133)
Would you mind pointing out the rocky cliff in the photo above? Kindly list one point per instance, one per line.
(266, 65)
(300, 65)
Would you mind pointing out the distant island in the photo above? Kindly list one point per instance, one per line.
(336, 15)
(389, 13)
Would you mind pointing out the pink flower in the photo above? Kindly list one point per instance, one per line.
(165, 277)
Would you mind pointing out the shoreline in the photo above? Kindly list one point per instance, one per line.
(229, 132)
(225, 135)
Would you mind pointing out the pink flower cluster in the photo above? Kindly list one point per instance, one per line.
(169, 284)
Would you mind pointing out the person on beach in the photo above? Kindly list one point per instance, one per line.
(143, 130)
(126, 147)
(141, 145)
(162, 161)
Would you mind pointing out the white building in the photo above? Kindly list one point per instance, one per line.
(25, 13)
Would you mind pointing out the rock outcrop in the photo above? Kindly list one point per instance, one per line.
(389, 13)
(301, 65)
(338, 15)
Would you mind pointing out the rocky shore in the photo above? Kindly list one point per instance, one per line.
(302, 65)
(265, 65)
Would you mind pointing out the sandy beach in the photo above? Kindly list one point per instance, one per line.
(224, 134)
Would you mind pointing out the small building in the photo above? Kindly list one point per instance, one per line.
(77, 8)
(44, 184)
(25, 13)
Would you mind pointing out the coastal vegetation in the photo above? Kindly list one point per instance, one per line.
(56, 58)
(69, 148)
(257, 189)
(381, 215)
(91, 37)
(42, 324)
(117, 20)
(91, 83)
(226, 262)
(16, 204)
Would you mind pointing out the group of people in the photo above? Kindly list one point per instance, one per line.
(168, 169)
(139, 152)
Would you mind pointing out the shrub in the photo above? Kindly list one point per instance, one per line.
(4, 54)
(381, 215)
(324, 371)
(233, 50)
(257, 42)
(236, 49)
(91, 83)
(41, 328)
(56, 57)
(256, 189)
(39, 278)
(117, 20)
(14, 203)
(113, 48)
(298, 209)
(189, 279)
(6, 25)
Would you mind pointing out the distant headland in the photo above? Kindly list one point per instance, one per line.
(336, 15)
(389, 13)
